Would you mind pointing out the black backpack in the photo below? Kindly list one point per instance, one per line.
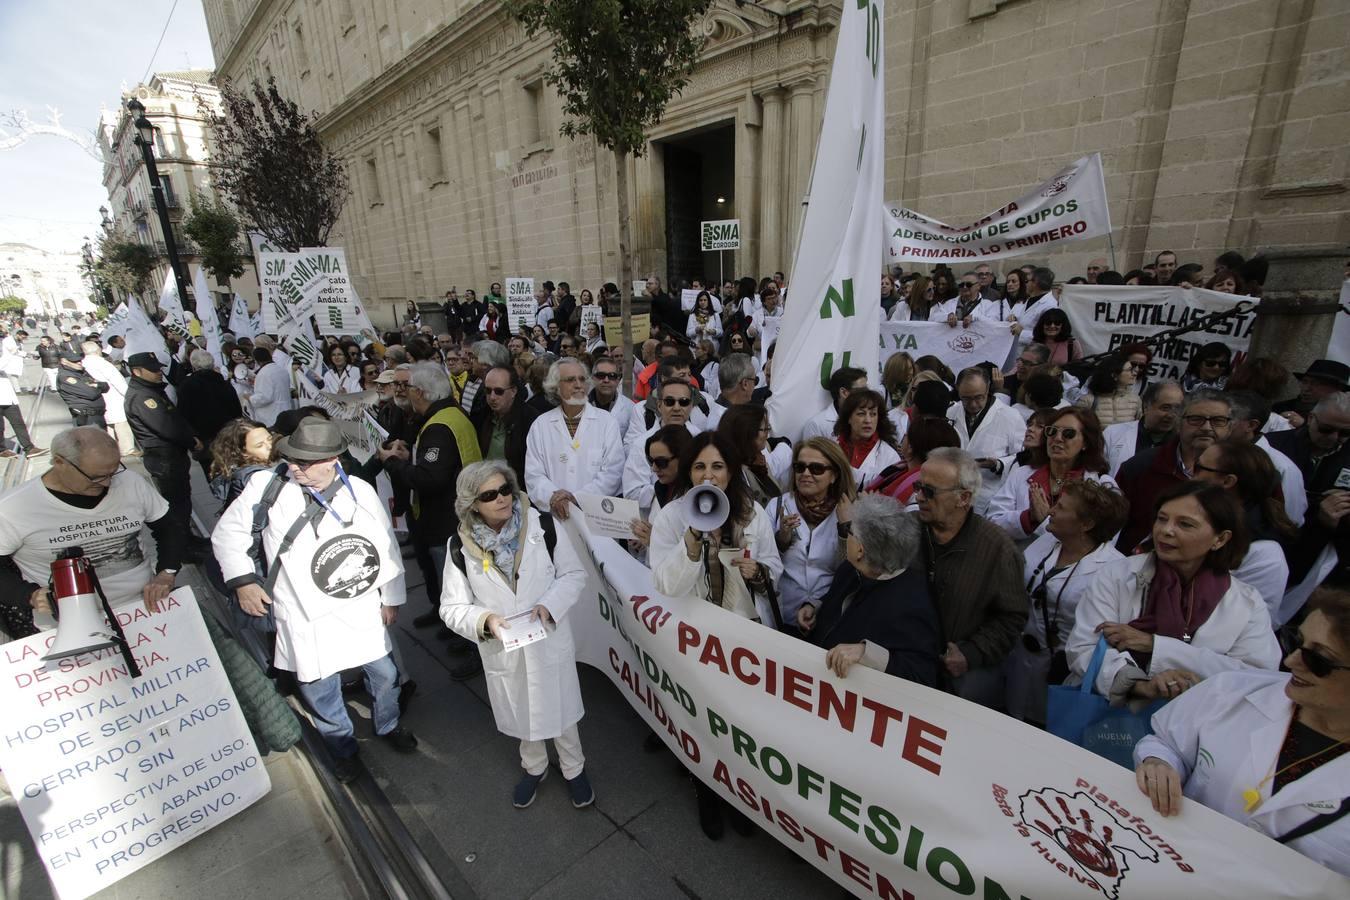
(456, 551)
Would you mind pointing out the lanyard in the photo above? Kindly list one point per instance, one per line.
(1046, 615)
(318, 498)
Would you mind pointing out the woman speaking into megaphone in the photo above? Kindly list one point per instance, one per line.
(718, 546)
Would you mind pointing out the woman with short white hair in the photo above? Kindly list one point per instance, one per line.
(508, 571)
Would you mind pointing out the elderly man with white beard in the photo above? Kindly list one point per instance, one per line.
(573, 448)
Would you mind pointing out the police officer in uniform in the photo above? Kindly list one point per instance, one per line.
(163, 435)
(83, 395)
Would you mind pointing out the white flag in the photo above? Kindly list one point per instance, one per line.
(210, 319)
(142, 334)
(832, 319)
(241, 323)
(172, 305)
(116, 324)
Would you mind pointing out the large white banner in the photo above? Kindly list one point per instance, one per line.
(832, 319)
(112, 773)
(897, 790)
(960, 347)
(1105, 318)
(210, 319)
(313, 282)
(1069, 207)
(1338, 347)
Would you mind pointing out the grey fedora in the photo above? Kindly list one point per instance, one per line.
(314, 439)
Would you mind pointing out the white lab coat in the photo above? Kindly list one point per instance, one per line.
(590, 463)
(1291, 482)
(1237, 634)
(1120, 440)
(712, 329)
(621, 412)
(1265, 569)
(675, 575)
(809, 561)
(271, 393)
(900, 312)
(878, 458)
(1014, 497)
(1223, 737)
(534, 691)
(639, 481)
(318, 634)
(102, 370)
(348, 381)
(1000, 433)
(1028, 315)
(8, 359)
(821, 424)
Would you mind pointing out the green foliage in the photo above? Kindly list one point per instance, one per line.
(215, 229)
(616, 63)
(124, 264)
(11, 305)
(269, 162)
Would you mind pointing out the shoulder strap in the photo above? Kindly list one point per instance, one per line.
(268, 498)
(550, 530)
(312, 513)
(456, 554)
(1317, 823)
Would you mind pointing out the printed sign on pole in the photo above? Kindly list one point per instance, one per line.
(642, 329)
(520, 305)
(722, 234)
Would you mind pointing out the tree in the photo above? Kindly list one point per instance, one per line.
(616, 65)
(213, 226)
(12, 305)
(268, 160)
(124, 264)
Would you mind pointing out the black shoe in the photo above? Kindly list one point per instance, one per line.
(709, 812)
(427, 619)
(459, 646)
(468, 669)
(401, 739)
(347, 768)
(406, 692)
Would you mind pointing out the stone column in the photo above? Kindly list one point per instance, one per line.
(771, 219)
(801, 104)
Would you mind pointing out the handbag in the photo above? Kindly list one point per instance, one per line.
(1083, 717)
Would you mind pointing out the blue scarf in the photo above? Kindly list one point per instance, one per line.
(504, 544)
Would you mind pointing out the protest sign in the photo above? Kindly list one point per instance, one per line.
(273, 271)
(609, 516)
(824, 328)
(1107, 317)
(639, 287)
(111, 773)
(589, 314)
(520, 305)
(893, 789)
(1071, 206)
(351, 412)
(958, 348)
(688, 297)
(642, 329)
(723, 234)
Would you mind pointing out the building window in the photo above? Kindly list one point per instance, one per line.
(161, 147)
(532, 125)
(373, 181)
(433, 162)
(166, 183)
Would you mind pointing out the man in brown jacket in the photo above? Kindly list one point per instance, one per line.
(974, 576)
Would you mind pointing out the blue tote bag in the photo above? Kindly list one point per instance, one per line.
(1081, 716)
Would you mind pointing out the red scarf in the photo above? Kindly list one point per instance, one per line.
(1174, 610)
(857, 453)
(1042, 477)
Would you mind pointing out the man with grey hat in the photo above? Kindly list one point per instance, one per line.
(334, 579)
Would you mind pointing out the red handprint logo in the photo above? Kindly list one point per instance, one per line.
(1091, 835)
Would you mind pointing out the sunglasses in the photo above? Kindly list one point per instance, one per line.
(816, 469)
(605, 376)
(489, 496)
(659, 462)
(1214, 363)
(931, 491)
(970, 284)
(1201, 467)
(1055, 431)
(672, 401)
(1214, 421)
(497, 392)
(1318, 664)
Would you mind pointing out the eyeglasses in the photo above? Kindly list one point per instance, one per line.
(96, 479)
(605, 376)
(1214, 421)
(671, 401)
(497, 392)
(816, 469)
(1318, 664)
(490, 495)
(1023, 361)
(659, 462)
(1055, 431)
(401, 386)
(930, 491)
(1323, 427)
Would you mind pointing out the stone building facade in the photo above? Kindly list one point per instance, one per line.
(1222, 124)
(48, 282)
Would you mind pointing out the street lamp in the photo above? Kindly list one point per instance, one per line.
(103, 218)
(145, 139)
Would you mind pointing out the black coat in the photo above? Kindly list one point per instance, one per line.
(208, 402)
(156, 422)
(518, 421)
(81, 392)
(896, 614)
(430, 475)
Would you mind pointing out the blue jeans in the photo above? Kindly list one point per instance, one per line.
(324, 699)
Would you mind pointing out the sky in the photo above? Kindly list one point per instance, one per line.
(77, 56)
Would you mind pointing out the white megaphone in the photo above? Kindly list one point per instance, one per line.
(81, 626)
(706, 507)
